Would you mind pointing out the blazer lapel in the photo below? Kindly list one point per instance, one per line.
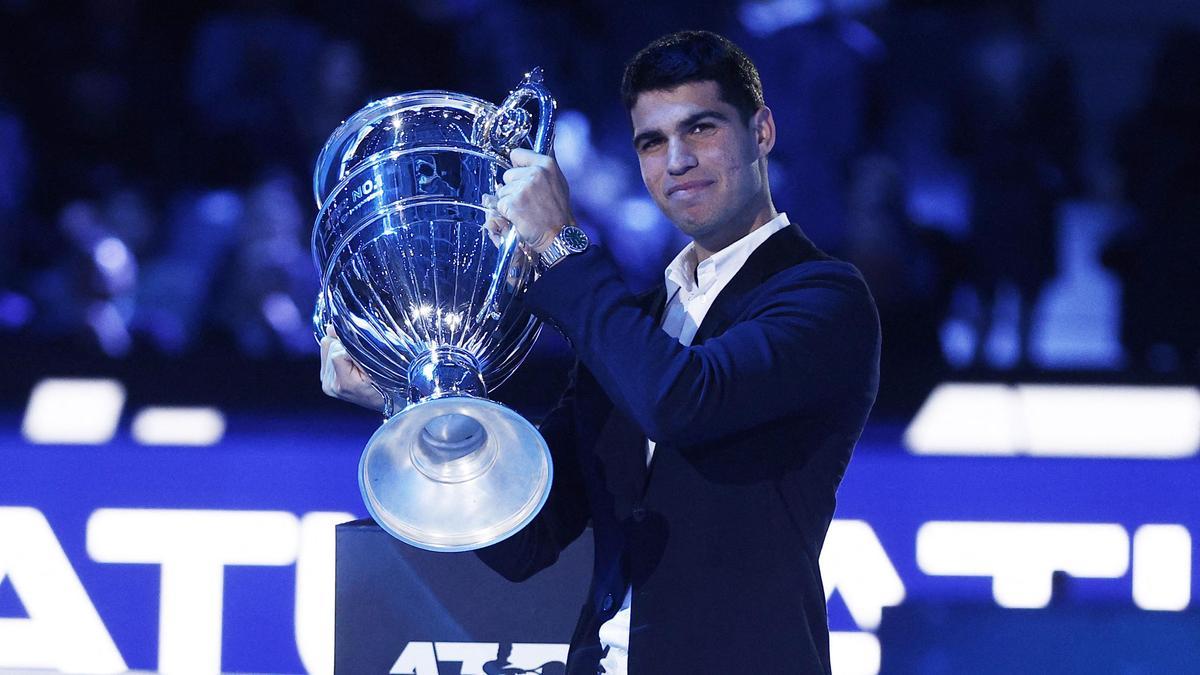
(783, 249)
(654, 301)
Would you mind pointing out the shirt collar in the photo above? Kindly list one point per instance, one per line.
(683, 272)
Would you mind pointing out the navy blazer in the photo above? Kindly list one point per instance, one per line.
(754, 423)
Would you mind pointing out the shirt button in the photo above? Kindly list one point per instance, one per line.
(608, 603)
(639, 514)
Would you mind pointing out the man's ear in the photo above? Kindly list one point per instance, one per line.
(762, 123)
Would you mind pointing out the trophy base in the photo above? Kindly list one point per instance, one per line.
(455, 473)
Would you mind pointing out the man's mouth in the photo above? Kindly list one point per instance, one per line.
(688, 188)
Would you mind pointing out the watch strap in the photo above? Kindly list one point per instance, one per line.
(570, 240)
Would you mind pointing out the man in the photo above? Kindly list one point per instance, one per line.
(709, 424)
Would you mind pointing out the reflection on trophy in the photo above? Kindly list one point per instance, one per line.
(431, 308)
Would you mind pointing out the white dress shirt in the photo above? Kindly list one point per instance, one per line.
(691, 290)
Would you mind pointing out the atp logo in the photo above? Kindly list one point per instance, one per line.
(192, 549)
(482, 658)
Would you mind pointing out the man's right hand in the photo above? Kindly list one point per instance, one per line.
(344, 379)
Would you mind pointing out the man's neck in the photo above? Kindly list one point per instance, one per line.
(706, 248)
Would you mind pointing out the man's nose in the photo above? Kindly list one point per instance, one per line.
(680, 158)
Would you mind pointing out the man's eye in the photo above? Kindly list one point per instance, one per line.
(701, 128)
(650, 144)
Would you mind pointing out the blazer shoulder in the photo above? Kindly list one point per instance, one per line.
(827, 287)
(789, 258)
(822, 273)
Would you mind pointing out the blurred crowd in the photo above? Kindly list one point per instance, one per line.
(155, 159)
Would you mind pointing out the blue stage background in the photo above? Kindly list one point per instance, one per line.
(302, 463)
(1015, 179)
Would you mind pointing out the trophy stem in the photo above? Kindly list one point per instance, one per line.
(445, 371)
(453, 448)
(450, 448)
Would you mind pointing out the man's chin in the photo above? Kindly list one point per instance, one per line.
(685, 227)
(696, 229)
(688, 222)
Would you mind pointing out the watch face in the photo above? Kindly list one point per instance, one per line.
(574, 239)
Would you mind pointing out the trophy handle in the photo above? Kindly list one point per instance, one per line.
(501, 131)
(510, 123)
(531, 86)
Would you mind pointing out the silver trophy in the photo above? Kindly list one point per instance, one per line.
(431, 307)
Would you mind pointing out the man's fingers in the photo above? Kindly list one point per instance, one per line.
(325, 343)
(496, 223)
(339, 372)
(522, 157)
(328, 377)
(513, 185)
(342, 377)
(348, 373)
(534, 196)
(525, 157)
(327, 374)
(347, 381)
(518, 174)
(523, 174)
(496, 227)
(344, 374)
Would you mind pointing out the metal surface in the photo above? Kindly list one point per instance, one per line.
(441, 501)
(432, 309)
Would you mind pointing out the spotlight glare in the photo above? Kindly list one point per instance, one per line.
(178, 426)
(73, 411)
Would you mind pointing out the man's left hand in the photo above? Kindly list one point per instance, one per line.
(535, 199)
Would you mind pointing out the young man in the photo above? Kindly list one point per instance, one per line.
(708, 424)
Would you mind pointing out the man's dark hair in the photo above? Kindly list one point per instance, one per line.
(694, 56)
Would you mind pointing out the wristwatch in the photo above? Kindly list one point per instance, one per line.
(570, 240)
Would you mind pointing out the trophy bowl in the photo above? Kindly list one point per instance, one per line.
(430, 306)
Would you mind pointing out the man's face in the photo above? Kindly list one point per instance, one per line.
(700, 162)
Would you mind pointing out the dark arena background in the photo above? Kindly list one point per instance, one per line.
(1018, 181)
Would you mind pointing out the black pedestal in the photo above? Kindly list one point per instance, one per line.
(402, 609)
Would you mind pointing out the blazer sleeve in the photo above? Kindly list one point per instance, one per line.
(566, 512)
(808, 338)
